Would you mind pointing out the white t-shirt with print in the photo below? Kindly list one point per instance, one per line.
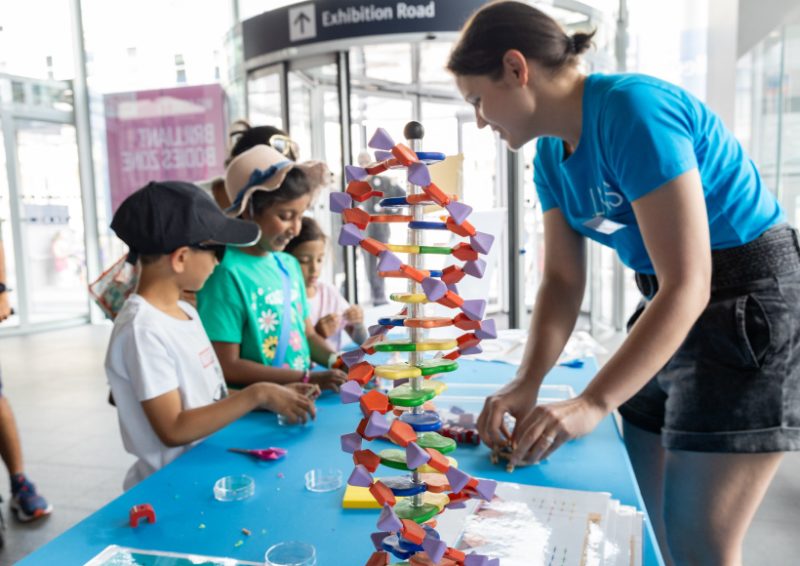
(151, 353)
(327, 301)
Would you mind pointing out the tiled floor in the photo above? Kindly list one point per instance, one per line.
(56, 385)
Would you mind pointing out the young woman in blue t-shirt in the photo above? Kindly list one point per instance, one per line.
(707, 380)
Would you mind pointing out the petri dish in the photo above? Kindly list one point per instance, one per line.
(291, 553)
(321, 480)
(234, 488)
(284, 421)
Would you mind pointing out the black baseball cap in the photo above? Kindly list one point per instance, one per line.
(163, 216)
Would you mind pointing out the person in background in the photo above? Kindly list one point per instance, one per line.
(707, 379)
(331, 314)
(254, 305)
(26, 504)
(164, 375)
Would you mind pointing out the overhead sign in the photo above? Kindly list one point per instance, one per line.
(328, 20)
(160, 135)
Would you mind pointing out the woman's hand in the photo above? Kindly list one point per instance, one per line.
(546, 427)
(327, 325)
(290, 402)
(331, 379)
(516, 398)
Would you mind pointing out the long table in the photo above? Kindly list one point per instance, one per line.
(190, 520)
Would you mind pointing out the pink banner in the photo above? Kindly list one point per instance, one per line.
(175, 134)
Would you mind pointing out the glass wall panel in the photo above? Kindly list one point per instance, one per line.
(264, 98)
(52, 220)
(386, 62)
(790, 130)
(314, 123)
(6, 238)
(45, 52)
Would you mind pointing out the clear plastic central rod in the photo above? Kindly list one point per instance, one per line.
(415, 310)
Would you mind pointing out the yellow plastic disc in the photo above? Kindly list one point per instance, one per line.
(437, 499)
(426, 469)
(397, 371)
(409, 297)
(404, 249)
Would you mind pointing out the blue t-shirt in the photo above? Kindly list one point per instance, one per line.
(638, 133)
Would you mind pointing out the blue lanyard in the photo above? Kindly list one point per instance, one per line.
(286, 318)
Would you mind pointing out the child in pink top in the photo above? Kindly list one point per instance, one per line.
(330, 313)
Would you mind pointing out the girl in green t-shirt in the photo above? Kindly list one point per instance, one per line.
(254, 306)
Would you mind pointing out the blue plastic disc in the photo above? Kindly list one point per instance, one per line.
(392, 544)
(430, 156)
(426, 225)
(404, 486)
(426, 421)
(435, 273)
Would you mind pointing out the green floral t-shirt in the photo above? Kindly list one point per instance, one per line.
(242, 303)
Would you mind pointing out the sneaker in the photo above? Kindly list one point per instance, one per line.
(26, 504)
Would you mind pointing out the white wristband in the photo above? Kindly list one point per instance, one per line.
(332, 359)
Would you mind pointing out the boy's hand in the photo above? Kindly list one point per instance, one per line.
(354, 315)
(289, 402)
(331, 379)
(327, 325)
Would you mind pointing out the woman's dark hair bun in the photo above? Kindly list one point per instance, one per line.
(581, 41)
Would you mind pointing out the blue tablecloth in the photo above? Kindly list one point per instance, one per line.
(190, 520)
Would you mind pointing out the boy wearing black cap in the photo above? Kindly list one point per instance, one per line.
(164, 375)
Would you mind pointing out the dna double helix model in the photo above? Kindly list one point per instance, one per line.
(410, 502)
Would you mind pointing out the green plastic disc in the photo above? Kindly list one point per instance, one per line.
(405, 509)
(393, 458)
(438, 365)
(405, 396)
(436, 441)
(396, 458)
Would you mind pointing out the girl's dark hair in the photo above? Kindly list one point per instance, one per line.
(309, 232)
(294, 186)
(500, 26)
(247, 136)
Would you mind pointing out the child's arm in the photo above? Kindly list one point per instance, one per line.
(240, 372)
(320, 350)
(354, 317)
(177, 427)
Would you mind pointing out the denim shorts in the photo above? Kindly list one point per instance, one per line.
(734, 383)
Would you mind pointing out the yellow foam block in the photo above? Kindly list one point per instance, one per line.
(360, 498)
(397, 371)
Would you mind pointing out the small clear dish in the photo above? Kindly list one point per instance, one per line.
(291, 553)
(321, 480)
(234, 488)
